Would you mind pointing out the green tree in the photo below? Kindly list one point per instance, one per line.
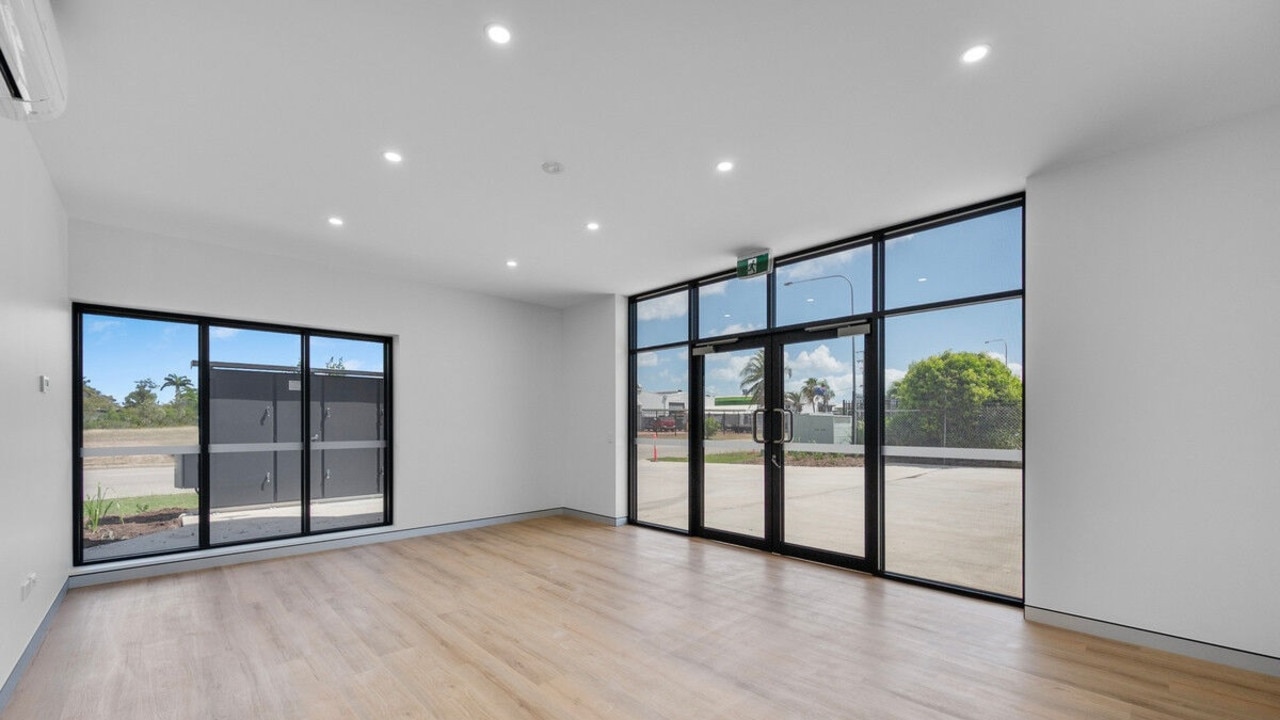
(710, 426)
(957, 399)
(142, 393)
(99, 410)
(140, 406)
(752, 378)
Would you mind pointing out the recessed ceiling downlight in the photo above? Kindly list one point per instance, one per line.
(393, 157)
(336, 221)
(497, 34)
(512, 263)
(593, 226)
(975, 53)
(724, 166)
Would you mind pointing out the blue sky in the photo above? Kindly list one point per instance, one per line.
(978, 256)
(907, 338)
(120, 351)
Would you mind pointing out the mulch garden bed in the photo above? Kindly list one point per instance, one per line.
(114, 528)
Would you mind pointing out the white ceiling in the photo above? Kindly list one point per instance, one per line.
(250, 122)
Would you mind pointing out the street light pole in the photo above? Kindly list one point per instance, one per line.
(849, 282)
(1006, 348)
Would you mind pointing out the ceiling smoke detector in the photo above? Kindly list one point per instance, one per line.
(551, 167)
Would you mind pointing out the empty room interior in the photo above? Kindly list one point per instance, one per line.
(639, 360)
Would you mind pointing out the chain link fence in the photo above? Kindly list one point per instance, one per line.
(989, 427)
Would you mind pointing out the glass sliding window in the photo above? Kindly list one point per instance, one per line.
(733, 306)
(255, 434)
(953, 446)
(193, 433)
(978, 256)
(139, 449)
(662, 437)
(826, 286)
(662, 320)
(348, 433)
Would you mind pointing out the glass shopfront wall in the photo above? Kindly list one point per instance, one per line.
(860, 405)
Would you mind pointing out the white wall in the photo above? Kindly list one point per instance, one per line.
(35, 428)
(591, 431)
(472, 393)
(1153, 415)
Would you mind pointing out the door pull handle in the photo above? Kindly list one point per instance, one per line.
(755, 426)
(788, 427)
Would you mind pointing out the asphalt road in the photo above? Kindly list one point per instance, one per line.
(130, 481)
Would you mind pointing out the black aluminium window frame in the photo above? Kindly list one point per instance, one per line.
(203, 323)
(876, 317)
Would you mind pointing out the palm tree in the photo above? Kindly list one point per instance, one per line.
(817, 393)
(807, 392)
(752, 377)
(179, 383)
(795, 401)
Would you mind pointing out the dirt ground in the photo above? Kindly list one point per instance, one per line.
(114, 528)
(134, 437)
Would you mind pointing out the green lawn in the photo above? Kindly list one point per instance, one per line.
(127, 506)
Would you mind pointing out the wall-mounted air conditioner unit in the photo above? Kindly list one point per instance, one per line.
(33, 83)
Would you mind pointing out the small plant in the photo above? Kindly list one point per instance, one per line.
(143, 507)
(710, 426)
(95, 508)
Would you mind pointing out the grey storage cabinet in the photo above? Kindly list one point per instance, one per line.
(255, 436)
(256, 430)
(348, 433)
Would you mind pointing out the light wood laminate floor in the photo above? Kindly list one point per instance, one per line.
(561, 618)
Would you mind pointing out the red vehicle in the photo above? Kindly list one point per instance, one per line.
(660, 424)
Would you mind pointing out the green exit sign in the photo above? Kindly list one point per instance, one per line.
(755, 264)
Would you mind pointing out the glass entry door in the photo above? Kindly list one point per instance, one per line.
(823, 483)
(783, 455)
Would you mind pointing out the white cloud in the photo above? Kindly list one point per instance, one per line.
(725, 368)
(352, 364)
(840, 263)
(734, 328)
(646, 359)
(820, 362)
(663, 308)
(893, 375)
(1015, 368)
(101, 326)
(222, 333)
(714, 289)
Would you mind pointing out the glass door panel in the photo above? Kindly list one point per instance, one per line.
(348, 433)
(824, 483)
(662, 438)
(140, 452)
(255, 434)
(733, 466)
